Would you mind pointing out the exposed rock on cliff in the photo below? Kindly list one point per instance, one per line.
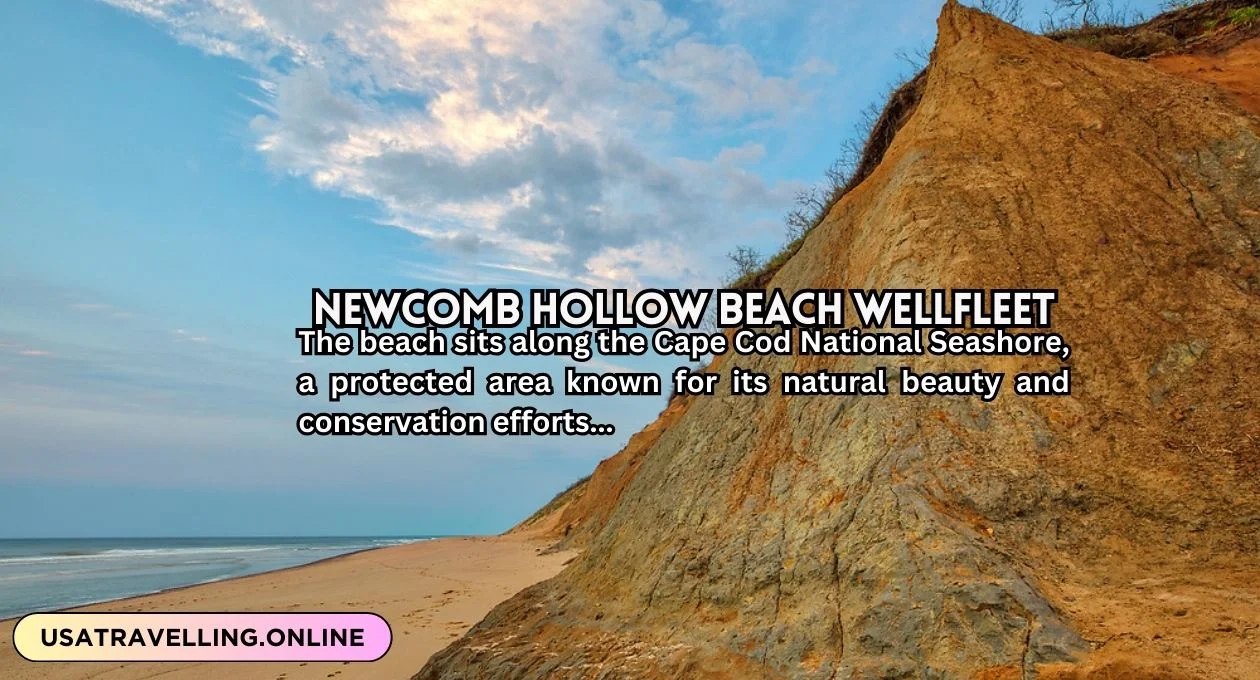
(1114, 531)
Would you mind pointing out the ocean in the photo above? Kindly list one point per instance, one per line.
(47, 574)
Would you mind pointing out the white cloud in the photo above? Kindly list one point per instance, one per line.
(102, 308)
(514, 133)
(643, 24)
(605, 366)
(182, 334)
(724, 81)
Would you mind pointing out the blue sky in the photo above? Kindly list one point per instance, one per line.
(175, 176)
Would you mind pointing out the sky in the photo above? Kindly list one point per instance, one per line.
(177, 175)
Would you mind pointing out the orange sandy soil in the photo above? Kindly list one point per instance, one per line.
(430, 592)
(1186, 618)
(1236, 71)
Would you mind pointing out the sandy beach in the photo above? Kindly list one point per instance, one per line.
(430, 592)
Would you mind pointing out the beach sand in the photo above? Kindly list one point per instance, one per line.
(430, 592)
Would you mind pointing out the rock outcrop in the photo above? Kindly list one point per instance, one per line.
(1105, 533)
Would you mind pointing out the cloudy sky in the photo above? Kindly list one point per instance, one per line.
(177, 175)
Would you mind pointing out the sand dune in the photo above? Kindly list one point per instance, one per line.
(1106, 533)
(430, 592)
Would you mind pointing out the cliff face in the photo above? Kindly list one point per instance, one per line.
(1111, 533)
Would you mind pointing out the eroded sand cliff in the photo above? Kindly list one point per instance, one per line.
(1112, 533)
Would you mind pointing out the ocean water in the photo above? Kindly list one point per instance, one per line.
(50, 574)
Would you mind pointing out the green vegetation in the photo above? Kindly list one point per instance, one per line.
(1243, 16)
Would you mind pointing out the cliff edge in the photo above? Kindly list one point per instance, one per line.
(1111, 533)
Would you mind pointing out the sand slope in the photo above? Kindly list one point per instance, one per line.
(1113, 533)
(1236, 71)
(430, 592)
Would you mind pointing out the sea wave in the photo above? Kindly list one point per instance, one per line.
(44, 575)
(192, 551)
